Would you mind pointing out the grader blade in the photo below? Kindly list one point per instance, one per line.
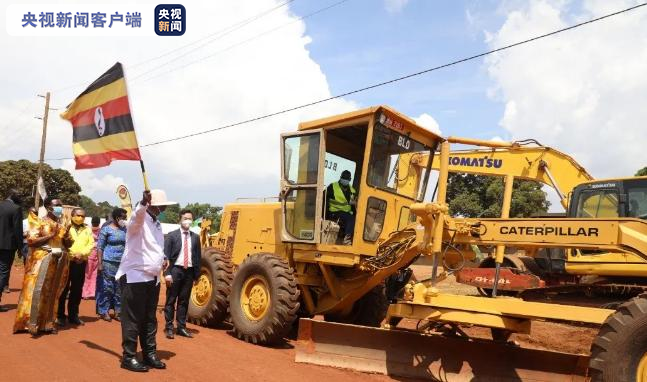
(431, 357)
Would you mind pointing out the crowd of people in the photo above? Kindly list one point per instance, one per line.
(119, 265)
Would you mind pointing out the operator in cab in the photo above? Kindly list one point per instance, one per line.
(341, 205)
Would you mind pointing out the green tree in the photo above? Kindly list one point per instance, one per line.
(171, 214)
(101, 209)
(642, 172)
(482, 196)
(22, 174)
(207, 211)
(200, 210)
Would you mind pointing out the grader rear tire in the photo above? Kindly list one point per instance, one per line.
(209, 297)
(619, 352)
(264, 300)
(370, 310)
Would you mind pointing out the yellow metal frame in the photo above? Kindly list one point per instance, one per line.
(550, 167)
(507, 313)
(423, 301)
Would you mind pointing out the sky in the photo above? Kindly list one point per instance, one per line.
(582, 92)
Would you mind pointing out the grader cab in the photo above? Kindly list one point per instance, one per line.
(290, 256)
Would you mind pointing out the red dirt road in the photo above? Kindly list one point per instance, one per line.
(92, 353)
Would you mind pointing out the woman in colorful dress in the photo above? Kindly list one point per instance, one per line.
(45, 272)
(90, 284)
(110, 249)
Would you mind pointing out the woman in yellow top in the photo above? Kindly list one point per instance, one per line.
(45, 272)
(78, 254)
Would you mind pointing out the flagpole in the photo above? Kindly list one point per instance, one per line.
(42, 150)
(141, 161)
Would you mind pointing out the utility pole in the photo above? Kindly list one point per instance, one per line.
(42, 149)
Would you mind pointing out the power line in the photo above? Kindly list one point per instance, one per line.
(247, 21)
(218, 34)
(380, 84)
(236, 44)
(20, 113)
(20, 132)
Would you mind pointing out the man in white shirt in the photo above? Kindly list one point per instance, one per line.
(138, 274)
(182, 249)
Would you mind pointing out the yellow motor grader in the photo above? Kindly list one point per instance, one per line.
(274, 262)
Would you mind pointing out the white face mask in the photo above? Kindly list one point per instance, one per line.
(344, 182)
(186, 223)
(121, 223)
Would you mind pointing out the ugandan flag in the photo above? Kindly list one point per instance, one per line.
(103, 129)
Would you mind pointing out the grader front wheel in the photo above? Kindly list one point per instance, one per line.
(209, 296)
(264, 299)
(619, 352)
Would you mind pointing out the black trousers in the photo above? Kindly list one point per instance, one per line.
(346, 219)
(138, 320)
(179, 291)
(6, 260)
(75, 288)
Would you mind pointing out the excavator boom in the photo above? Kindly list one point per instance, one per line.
(539, 163)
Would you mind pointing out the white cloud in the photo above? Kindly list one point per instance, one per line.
(394, 6)
(256, 78)
(427, 121)
(92, 184)
(584, 91)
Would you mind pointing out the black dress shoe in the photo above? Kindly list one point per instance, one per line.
(61, 321)
(169, 334)
(4, 309)
(133, 365)
(76, 321)
(184, 333)
(154, 362)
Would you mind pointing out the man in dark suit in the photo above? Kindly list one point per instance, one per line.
(182, 250)
(10, 236)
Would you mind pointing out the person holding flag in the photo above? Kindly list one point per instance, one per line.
(103, 131)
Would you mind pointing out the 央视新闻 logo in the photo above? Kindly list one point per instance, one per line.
(170, 20)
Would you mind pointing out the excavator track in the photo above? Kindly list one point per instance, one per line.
(405, 353)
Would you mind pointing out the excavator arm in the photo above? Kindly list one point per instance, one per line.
(524, 160)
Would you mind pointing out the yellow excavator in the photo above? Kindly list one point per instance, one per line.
(549, 269)
(275, 262)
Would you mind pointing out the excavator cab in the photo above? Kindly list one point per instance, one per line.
(610, 199)
(370, 144)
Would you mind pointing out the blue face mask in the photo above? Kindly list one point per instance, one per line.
(344, 182)
(58, 211)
